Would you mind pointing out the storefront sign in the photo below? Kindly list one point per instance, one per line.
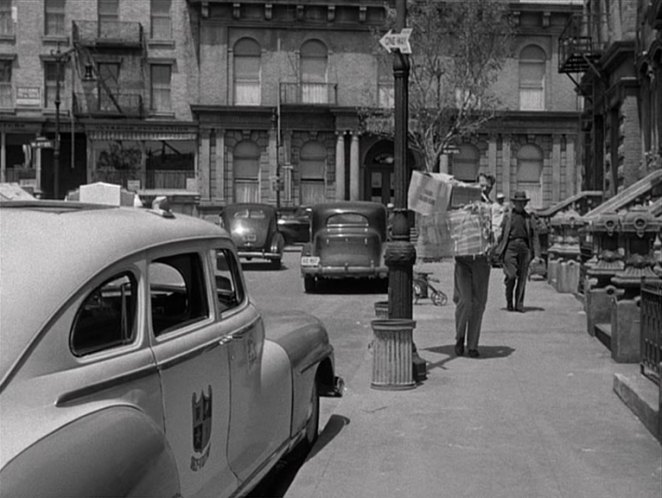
(28, 96)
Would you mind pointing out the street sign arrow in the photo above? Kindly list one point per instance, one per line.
(397, 41)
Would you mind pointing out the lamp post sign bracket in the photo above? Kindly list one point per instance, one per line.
(397, 41)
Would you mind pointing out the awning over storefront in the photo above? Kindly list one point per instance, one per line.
(149, 134)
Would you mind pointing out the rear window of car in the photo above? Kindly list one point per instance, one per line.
(177, 292)
(345, 219)
(107, 317)
(255, 214)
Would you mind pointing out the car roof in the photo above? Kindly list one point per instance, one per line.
(50, 248)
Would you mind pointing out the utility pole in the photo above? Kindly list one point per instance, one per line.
(60, 57)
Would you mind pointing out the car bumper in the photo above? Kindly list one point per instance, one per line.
(259, 254)
(346, 271)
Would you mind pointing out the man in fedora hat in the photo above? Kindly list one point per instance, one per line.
(518, 242)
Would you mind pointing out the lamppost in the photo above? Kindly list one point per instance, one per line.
(400, 253)
(59, 58)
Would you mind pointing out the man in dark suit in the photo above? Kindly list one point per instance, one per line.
(518, 242)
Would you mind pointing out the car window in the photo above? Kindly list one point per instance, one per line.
(229, 291)
(255, 214)
(107, 317)
(177, 292)
(353, 219)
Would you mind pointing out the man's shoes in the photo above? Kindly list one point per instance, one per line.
(459, 348)
(520, 309)
(510, 307)
(473, 353)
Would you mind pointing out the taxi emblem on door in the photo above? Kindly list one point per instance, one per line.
(202, 412)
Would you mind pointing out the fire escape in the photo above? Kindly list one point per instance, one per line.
(579, 56)
(111, 54)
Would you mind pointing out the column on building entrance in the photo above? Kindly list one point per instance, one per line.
(203, 166)
(572, 181)
(492, 162)
(354, 167)
(443, 163)
(340, 166)
(556, 169)
(219, 165)
(505, 152)
(3, 161)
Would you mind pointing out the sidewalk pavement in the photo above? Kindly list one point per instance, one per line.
(534, 416)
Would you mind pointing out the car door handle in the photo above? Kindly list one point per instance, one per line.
(225, 340)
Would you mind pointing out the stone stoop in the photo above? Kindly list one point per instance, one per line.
(643, 397)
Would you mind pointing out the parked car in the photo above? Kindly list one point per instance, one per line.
(254, 230)
(294, 224)
(133, 362)
(348, 241)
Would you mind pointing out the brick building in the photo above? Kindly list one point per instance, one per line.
(255, 100)
(613, 49)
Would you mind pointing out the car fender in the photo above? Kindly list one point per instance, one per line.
(304, 339)
(117, 451)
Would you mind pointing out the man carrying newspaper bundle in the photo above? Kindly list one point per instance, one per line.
(457, 223)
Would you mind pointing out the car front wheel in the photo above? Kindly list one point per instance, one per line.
(312, 426)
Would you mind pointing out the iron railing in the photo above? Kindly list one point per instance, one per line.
(577, 49)
(99, 104)
(124, 34)
(651, 328)
(309, 93)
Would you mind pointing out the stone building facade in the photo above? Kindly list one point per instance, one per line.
(260, 101)
(620, 80)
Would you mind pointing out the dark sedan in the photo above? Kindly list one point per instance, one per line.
(254, 230)
(294, 224)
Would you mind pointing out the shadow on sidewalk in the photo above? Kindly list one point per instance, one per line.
(486, 353)
(276, 483)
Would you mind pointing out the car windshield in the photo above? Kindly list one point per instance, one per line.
(345, 219)
(255, 214)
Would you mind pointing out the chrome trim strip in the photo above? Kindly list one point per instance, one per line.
(71, 396)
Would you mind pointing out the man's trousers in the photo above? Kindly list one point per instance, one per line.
(472, 278)
(516, 261)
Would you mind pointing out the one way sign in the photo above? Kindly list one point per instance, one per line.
(400, 41)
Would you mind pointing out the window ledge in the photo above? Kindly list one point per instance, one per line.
(161, 114)
(54, 40)
(8, 38)
(161, 43)
(8, 110)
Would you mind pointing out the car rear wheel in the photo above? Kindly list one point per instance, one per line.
(276, 263)
(309, 284)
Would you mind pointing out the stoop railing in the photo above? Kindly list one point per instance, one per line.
(651, 328)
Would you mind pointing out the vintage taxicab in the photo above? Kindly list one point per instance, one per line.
(134, 363)
(347, 241)
(254, 229)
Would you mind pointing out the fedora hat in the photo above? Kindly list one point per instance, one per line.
(519, 196)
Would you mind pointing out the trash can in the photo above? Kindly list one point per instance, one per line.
(392, 354)
(381, 309)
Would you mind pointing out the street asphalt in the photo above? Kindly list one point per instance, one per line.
(534, 416)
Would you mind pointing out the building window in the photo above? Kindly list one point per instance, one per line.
(161, 23)
(6, 100)
(529, 174)
(108, 11)
(54, 17)
(50, 83)
(246, 167)
(385, 86)
(314, 59)
(247, 55)
(109, 74)
(6, 21)
(160, 95)
(312, 167)
(532, 63)
(466, 163)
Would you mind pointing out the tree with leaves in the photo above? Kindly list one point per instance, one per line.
(458, 50)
